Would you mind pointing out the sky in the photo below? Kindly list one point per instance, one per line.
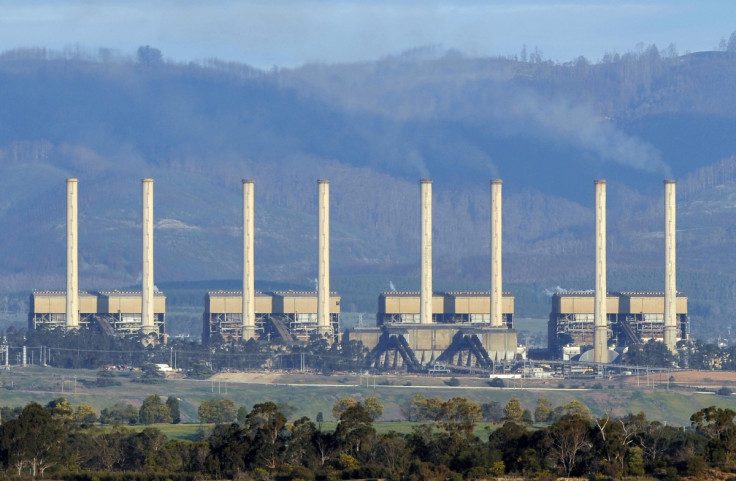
(289, 33)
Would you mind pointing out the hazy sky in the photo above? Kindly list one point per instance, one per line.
(292, 32)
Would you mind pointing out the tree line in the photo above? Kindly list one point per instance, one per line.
(92, 349)
(70, 349)
(261, 443)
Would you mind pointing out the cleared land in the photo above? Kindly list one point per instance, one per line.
(310, 393)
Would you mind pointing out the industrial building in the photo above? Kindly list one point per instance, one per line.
(631, 318)
(114, 312)
(286, 315)
(447, 308)
(460, 335)
(462, 330)
(610, 321)
(414, 330)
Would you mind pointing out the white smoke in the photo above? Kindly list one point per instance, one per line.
(415, 159)
(391, 286)
(560, 290)
(577, 124)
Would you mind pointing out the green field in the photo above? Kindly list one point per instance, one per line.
(310, 394)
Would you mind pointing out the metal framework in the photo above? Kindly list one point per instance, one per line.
(229, 325)
(48, 311)
(402, 308)
(624, 327)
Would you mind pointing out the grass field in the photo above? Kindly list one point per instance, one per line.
(310, 394)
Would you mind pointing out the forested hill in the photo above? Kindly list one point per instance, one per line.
(374, 129)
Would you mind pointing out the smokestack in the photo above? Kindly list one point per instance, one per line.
(147, 324)
(323, 276)
(600, 334)
(72, 256)
(249, 293)
(425, 296)
(496, 253)
(670, 269)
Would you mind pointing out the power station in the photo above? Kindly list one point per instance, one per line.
(612, 321)
(114, 312)
(414, 330)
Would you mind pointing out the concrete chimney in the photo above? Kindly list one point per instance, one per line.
(496, 255)
(600, 334)
(670, 268)
(249, 280)
(147, 315)
(323, 280)
(72, 255)
(425, 295)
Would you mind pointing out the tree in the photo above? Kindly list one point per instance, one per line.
(354, 429)
(60, 409)
(242, 416)
(574, 409)
(731, 47)
(718, 425)
(153, 410)
(106, 378)
(653, 353)
(35, 439)
(459, 416)
(496, 382)
(172, 402)
(152, 374)
(423, 409)
(392, 452)
(341, 405)
(119, 413)
(264, 423)
(216, 411)
(526, 417)
(229, 451)
(320, 419)
(85, 414)
(300, 449)
(374, 407)
(492, 411)
(148, 55)
(543, 410)
(513, 410)
(569, 437)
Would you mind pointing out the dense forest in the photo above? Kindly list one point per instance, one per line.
(547, 129)
(66, 442)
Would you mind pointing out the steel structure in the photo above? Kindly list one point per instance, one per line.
(115, 312)
(632, 318)
(289, 315)
(447, 308)
(223, 315)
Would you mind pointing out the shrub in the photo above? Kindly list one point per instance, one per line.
(497, 382)
(724, 391)
(453, 382)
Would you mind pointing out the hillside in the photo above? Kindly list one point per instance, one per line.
(373, 129)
